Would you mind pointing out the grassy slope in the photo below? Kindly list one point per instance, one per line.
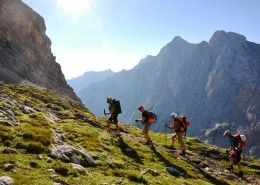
(32, 138)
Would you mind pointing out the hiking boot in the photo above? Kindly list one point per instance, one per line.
(172, 147)
(182, 153)
(229, 170)
(148, 142)
(240, 174)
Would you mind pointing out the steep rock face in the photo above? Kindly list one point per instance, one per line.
(25, 53)
(210, 82)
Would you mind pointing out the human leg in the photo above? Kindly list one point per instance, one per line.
(231, 162)
(109, 121)
(239, 166)
(146, 132)
(174, 137)
(180, 140)
(115, 121)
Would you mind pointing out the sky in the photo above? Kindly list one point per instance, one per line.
(96, 35)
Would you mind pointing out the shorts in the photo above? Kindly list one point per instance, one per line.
(113, 118)
(237, 156)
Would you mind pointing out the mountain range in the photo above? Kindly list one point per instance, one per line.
(213, 83)
(81, 82)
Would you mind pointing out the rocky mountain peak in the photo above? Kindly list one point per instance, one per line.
(25, 49)
(178, 41)
(222, 38)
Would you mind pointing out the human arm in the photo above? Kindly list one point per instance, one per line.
(111, 109)
(140, 120)
(169, 126)
(232, 148)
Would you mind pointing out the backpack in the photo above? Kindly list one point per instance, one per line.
(117, 106)
(152, 118)
(185, 123)
(180, 126)
(239, 140)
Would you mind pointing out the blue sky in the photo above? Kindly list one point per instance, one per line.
(95, 35)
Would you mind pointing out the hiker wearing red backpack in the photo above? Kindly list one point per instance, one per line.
(179, 129)
(236, 143)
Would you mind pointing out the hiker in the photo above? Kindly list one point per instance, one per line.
(235, 152)
(144, 121)
(113, 116)
(178, 135)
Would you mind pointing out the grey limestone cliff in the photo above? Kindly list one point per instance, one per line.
(25, 50)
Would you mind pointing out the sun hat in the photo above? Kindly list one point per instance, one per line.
(174, 114)
(226, 132)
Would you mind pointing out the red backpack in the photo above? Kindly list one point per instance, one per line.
(239, 140)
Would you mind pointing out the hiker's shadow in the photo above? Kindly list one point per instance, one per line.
(169, 164)
(166, 161)
(128, 151)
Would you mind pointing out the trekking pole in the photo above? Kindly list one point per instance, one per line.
(137, 123)
(105, 114)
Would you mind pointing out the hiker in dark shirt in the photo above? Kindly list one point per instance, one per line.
(235, 151)
(144, 120)
(178, 132)
(113, 116)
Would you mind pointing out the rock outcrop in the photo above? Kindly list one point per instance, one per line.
(25, 50)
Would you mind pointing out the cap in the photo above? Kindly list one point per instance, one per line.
(226, 132)
(174, 114)
(140, 107)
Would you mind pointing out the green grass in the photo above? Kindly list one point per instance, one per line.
(119, 161)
